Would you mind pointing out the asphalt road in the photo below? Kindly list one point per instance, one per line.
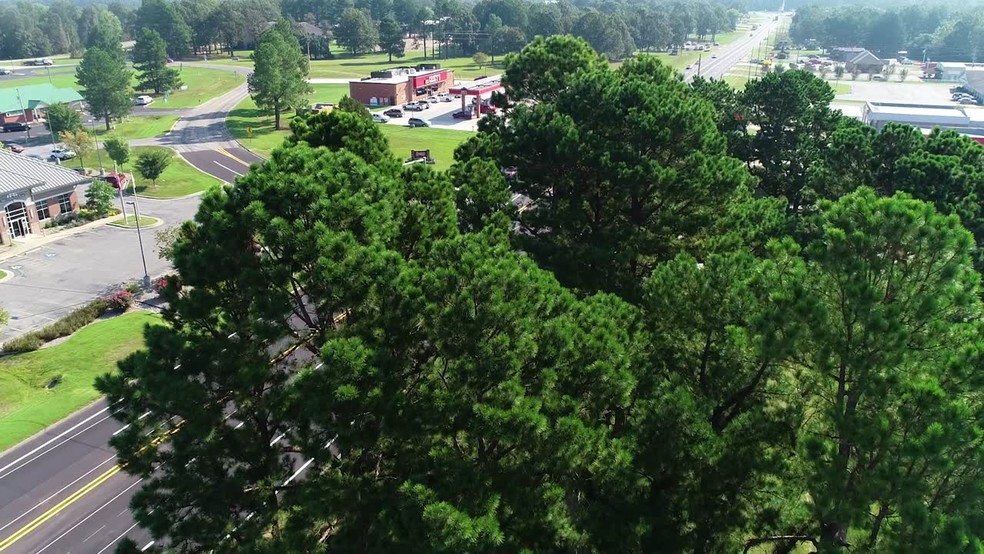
(222, 163)
(62, 492)
(730, 54)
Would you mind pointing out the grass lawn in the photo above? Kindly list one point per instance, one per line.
(441, 142)
(131, 222)
(27, 407)
(179, 179)
(203, 84)
(347, 66)
(2, 274)
(142, 126)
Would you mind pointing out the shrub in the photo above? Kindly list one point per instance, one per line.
(133, 288)
(23, 343)
(121, 300)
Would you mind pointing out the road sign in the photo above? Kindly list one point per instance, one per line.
(249, 132)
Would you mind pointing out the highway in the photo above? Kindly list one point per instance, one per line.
(730, 54)
(61, 491)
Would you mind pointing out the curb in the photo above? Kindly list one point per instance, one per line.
(157, 223)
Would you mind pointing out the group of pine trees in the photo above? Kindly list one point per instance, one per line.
(729, 322)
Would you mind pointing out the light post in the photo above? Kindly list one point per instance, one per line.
(136, 217)
(98, 154)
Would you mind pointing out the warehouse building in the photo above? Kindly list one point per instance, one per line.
(878, 114)
(397, 86)
(32, 192)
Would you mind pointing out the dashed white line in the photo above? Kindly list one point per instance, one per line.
(116, 540)
(94, 512)
(227, 168)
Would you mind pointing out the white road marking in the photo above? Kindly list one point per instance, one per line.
(93, 534)
(149, 544)
(116, 540)
(298, 472)
(4, 470)
(121, 429)
(277, 438)
(61, 490)
(94, 512)
(227, 168)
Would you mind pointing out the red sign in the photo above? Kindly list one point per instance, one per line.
(431, 78)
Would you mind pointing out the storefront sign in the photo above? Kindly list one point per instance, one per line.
(431, 79)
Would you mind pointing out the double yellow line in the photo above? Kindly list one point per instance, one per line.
(57, 508)
(90, 486)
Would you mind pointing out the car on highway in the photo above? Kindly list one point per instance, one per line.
(62, 154)
(380, 118)
(143, 100)
(466, 114)
(13, 147)
(417, 122)
(393, 112)
(15, 126)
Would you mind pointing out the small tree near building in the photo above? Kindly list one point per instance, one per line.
(62, 117)
(481, 59)
(99, 198)
(903, 74)
(152, 163)
(117, 149)
(79, 141)
(349, 104)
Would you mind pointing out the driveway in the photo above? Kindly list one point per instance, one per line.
(59, 276)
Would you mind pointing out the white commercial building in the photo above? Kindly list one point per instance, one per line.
(878, 114)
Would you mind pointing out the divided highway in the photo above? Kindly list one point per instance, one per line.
(730, 54)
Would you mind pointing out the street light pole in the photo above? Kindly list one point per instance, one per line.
(143, 258)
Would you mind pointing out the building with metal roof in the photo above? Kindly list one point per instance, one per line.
(33, 191)
(877, 114)
(27, 103)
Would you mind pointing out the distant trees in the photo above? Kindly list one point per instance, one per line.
(356, 31)
(150, 61)
(391, 39)
(279, 77)
(104, 83)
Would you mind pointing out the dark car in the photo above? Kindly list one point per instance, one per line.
(393, 112)
(13, 147)
(15, 126)
(467, 114)
(417, 122)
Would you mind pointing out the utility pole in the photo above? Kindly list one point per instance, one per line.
(23, 113)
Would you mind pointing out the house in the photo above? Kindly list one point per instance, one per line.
(845, 54)
(28, 103)
(33, 191)
(865, 62)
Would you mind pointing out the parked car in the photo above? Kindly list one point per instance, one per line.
(393, 112)
(968, 101)
(412, 107)
(16, 126)
(323, 107)
(444, 97)
(877, 77)
(143, 100)
(380, 118)
(713, 56)
(234, 58)
(467, 114)
(486, 108)
(417, 122)
(5, 71)
(14, 147)
(118, 180)
(62, 154)
(432, 100)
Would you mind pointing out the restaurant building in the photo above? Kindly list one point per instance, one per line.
(397, 86)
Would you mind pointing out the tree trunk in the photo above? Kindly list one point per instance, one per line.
(108, 127)
(391, 57)
(276, 117)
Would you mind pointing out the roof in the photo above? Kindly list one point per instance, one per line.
(849, 49)
(481, 86)
(915, 114)
(18, 173)
(38, 94)
(388, 80)
(866, 58)
(975, 80)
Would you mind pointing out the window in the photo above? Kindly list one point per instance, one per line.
(42, 207)
(65, 202)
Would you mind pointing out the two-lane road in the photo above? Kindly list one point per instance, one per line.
(62, 492)
(715, 65)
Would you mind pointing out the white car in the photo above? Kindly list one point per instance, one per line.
(5, 71)
(432, 100)
(62, 154)
(380, 118)
(143, 100)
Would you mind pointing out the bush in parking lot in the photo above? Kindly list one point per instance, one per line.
(25, 343)
(72, 322)
(121, 300)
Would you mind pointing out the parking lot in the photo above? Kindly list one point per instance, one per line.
(438, 115)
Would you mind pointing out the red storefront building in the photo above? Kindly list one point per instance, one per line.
(397, 86)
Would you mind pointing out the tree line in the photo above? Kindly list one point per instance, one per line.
(698, 338)
(938, 32)
(447, 27)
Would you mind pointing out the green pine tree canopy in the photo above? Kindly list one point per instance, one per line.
(704, 334)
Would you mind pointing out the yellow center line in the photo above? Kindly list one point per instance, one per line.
(231, 155)
(58, 508)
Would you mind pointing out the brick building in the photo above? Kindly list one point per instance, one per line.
(397, 86)
(33, 191)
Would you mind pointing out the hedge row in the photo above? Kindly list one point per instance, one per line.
(65, 326)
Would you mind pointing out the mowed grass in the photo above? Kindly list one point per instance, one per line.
(203, 84)
(348, 66)
(130, 222)
(402, 139)
(139, 126)
(27, 407)
(179, 179)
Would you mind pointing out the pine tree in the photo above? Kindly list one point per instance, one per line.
(279, 78)
(104, 83)
(150, 61)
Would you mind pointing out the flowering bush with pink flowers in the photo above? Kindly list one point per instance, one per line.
(121, 300)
